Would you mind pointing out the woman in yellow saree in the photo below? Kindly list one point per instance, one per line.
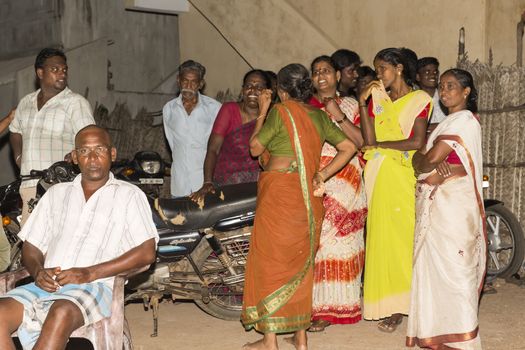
(450, 241)
(279, 271)
(393, 126)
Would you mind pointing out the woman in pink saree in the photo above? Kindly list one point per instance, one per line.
(450, 239)
(228, 160)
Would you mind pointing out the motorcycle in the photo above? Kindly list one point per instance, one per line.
(146, 170)
(203, 246)
(506, 242)
(11, 202)
(11, 210)
(202, 252)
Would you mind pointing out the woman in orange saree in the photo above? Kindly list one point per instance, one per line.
(450, 239)
(279, 272)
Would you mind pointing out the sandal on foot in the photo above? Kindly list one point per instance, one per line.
(318, 325)
(389, 325)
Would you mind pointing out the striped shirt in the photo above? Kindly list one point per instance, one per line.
(71, 232)
(48, 134)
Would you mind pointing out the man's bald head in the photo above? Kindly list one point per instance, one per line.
(92, 128)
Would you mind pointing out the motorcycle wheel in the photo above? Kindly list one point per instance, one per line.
(225, 301)
(506, 247)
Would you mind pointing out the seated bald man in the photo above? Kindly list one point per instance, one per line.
(80, 235)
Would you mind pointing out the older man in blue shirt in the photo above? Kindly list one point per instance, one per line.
(188, 120)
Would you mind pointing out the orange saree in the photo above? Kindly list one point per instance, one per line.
(279, 272)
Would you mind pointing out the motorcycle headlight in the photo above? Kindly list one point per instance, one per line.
(150, 166)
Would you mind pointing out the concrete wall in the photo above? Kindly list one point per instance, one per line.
(272, 33)
(142, 48)
(502, 19)
(20, 20)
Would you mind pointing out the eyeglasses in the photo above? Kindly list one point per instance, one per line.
(86, 151)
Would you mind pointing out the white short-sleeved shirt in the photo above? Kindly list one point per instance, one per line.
(71, 232)
(48, 134)
(188, 138)
(437, 113)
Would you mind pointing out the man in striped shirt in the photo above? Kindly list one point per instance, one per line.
(46, 121)
(80, 235)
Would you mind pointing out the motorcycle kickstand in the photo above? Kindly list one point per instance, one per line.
(154, 304)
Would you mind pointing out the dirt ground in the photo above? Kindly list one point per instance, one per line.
(185, 326)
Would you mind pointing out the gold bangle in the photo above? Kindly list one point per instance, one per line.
(362, 106)
(261, 116)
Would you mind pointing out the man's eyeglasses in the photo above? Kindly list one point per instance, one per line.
(86, 151)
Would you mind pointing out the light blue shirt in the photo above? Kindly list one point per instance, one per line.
(188, 138)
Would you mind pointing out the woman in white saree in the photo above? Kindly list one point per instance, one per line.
(450, 238)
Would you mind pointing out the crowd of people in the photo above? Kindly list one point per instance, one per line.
(369, 198)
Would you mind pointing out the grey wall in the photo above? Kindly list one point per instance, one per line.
(27, 26)
(142, 49)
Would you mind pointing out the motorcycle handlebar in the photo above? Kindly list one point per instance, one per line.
(37, 173)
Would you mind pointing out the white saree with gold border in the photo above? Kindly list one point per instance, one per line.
(449, 245)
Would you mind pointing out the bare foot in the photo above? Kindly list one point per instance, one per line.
(266, 343)
(298, 340)
(290, 340)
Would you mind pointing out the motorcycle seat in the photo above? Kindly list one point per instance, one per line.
(183, 214)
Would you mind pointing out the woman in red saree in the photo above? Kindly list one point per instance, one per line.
(228, 160)
(279, 272)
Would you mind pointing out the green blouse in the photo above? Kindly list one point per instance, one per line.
(274, 135)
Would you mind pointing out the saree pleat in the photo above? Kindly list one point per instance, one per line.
(279, 273)
(444, 293)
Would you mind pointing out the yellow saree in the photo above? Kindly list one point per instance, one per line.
(390, 188)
